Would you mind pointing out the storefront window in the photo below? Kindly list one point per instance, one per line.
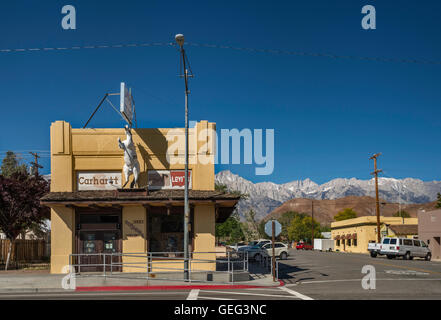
(166, 231)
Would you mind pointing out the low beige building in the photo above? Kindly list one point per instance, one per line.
(354, 235)
(95, 222)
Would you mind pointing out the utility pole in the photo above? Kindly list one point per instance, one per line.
(35, 164)
(312, 221)
(376, 172)
(180, 41)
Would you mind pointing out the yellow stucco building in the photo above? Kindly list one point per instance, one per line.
(92, 214)
(354, 235)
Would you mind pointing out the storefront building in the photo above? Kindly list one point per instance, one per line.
(354, 235)
(429, 230)
(91, 213)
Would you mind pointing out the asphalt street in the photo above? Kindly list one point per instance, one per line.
(336, 275)
(307, 275)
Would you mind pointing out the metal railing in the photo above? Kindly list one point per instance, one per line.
(266, 264)
(164, 264)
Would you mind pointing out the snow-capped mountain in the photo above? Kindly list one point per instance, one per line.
(264, 197)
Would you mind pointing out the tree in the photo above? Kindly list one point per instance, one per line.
(401, 214)
(345, 214)
(301, 228)
(285, 220)
(20, 208)
(220, 187)
(224, 189)
(251, 224)
(11, 164)
(230, 229)
(438, 202)
(261, 229)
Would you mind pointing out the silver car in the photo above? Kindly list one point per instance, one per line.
(404, 247)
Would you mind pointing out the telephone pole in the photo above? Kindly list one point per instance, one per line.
(312, 221)
(376, 172)
(35, 164)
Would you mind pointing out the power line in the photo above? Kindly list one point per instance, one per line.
(214, 46)
(318, 54)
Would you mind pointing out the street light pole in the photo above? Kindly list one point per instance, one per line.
(180, 41)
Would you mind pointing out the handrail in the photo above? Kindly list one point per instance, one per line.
(156, 261)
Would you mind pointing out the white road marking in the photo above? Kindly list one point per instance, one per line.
(356, 280)
(250, 294)
(407, 272)
(295, 293)
(193, 295)
(215, 298)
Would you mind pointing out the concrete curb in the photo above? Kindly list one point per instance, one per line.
(176, 287)
(140, 288)
(32, 290)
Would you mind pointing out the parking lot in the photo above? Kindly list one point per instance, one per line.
(337, 275)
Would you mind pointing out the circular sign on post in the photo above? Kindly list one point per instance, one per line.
(269, 228)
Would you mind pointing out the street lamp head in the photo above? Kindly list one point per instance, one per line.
(179, 39)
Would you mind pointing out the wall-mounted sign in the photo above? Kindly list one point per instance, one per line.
(87, 180)
(126, 103)
(168, 179)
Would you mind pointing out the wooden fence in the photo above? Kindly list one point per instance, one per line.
(25, 250)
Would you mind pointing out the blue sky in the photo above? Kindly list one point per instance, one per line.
(329, 115)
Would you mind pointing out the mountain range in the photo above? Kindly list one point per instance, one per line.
(265, 197)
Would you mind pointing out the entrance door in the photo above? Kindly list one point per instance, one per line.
(98, 236)
(95, 246)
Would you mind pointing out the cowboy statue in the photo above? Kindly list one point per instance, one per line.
(131, 164)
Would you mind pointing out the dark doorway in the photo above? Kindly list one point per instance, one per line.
(98, 235)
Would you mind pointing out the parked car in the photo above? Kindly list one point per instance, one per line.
(253, 250)
(406, 248)
(280, 250)
(304, 246)
(253, 243)
(237, 245)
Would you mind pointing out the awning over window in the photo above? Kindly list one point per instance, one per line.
(354, 236)
(337, 237)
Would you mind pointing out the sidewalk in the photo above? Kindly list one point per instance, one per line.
(38, 282)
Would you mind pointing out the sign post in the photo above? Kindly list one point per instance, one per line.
(273, 228)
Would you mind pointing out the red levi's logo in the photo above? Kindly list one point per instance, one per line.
(177, 178)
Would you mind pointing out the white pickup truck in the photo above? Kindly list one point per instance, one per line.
(400, 247)
(374, 248)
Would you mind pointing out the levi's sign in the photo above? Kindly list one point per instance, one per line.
(168, 179)
(98, 180)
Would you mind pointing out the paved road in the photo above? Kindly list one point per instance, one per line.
(277, 293)
(334, 275)
(308, 275)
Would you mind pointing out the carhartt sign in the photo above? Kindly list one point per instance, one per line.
(98, 180)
